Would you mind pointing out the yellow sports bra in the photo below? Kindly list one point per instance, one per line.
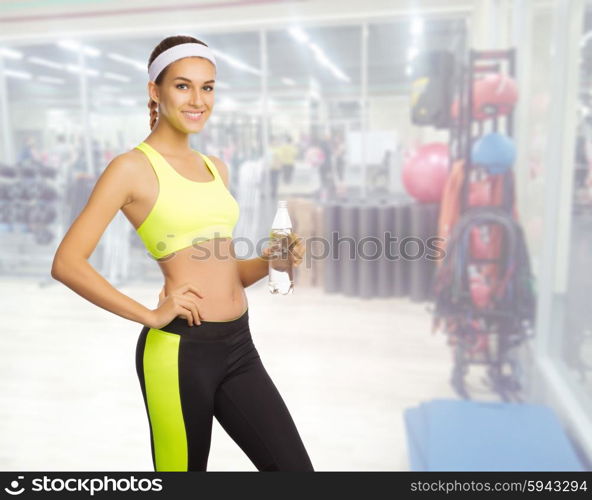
(186, 212)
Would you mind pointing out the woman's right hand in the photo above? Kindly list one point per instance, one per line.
(180, 302)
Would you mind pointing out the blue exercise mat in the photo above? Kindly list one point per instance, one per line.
(461, 435)
(414, 423)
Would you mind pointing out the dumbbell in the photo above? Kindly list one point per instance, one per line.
(47, 192)
(49, 172)
(29, 191)
(15, 191)
(7, 171)
(27, 168)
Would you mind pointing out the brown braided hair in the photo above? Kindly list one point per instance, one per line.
(165, 44)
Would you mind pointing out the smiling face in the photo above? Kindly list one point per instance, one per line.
(186, 91)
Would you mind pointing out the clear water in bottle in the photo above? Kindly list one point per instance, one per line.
(281, 274)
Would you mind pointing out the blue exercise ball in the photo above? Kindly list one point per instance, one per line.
(494, 151)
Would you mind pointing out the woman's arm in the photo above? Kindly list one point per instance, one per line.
(252, 270)
(70, 265)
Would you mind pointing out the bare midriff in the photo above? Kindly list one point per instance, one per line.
(212, 268)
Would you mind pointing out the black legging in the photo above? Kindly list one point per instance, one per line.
(188, 374)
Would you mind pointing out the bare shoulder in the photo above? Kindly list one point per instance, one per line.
(130, 160)
(125, 162)
(131, 168)
(222, 168)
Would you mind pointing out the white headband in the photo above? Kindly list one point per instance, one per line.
(179, 52)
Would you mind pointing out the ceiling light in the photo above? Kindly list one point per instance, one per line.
(18, 74)
(298, 34)
(235, 62)
(77, 47)
(11, 53)
(116, 76)
(127, 102)
(45, 62)
(322, 58)
(108, 88)
(127, 60)
(227, 104)
(417, 26)
(91, 51)
(51, 79)
(69, 44)
(72, 68)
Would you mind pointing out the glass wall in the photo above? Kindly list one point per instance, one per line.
(555, 205)
(574, 335)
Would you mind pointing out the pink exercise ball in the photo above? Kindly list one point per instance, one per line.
(425, 172)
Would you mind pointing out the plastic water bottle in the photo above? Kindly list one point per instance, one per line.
(280, 271)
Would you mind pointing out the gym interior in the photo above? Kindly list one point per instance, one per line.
(436, 159)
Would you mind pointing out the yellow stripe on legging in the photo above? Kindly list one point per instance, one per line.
(161, 376)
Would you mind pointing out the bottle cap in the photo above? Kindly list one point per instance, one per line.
(282, 204)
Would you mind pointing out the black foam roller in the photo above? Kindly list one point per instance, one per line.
(369, 248)
(385, 217)
(423, 226)
(331, 274)
(400, 268)
(348, 224)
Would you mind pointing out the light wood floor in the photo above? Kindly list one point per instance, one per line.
(346, 367)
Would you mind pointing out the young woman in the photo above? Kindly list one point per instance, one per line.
(195, 357)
